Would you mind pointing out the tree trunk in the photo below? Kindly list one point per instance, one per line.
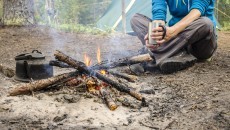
(18, 12)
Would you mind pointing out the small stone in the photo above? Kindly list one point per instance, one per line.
(41, 96)
(130, 121)
(181, 106)
(133, 110)
(125, 124)
(147, 91)
(144, 109)
(94, 108)
(60, 118)
(217, 89)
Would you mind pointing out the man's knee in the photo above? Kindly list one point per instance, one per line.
(139, 20)
(135, 20)
(207, 25)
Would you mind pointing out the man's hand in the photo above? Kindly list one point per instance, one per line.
(157, 34)
(171, 32)
(152, 47)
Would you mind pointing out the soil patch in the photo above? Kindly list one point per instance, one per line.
(196, 98)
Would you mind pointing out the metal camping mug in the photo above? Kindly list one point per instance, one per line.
(152, 25)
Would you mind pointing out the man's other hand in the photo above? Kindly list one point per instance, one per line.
(157, 34)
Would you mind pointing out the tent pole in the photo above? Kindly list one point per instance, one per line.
(123, 17)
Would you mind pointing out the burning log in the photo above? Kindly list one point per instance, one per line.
(112, 64)
(81, 67)
(108, 99)
(130, 78)
(40, 84)
(7, 71)
(123, 62)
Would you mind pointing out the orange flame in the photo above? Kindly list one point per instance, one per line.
(87, 60)
(98, 55)
(103, 72)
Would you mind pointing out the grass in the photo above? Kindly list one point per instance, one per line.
(225, 26)
(78, 28)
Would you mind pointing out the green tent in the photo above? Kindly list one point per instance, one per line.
(113, 18)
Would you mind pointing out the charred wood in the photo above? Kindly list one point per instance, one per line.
(81, 67)
(130, 78)
(39, 85)
(108, 99)
(59, 64)
(110, 64)
(123, 62)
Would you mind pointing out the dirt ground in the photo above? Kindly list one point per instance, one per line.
(196, 98)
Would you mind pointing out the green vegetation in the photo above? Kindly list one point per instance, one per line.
(222, 13)
(81, 15)
(71, 15)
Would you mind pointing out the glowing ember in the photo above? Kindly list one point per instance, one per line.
(87, 60)
(98, 55)
(103, 72)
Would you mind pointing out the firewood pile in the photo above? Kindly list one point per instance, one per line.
(97, 80)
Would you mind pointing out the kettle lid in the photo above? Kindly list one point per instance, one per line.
(35, 54)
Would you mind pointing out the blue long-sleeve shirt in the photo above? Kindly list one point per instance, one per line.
(180, 8)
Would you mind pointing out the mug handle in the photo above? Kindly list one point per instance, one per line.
(164, 31)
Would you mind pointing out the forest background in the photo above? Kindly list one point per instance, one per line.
(82, 15)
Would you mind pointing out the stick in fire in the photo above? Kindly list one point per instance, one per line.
(40, 84)
(81, 67)
(109, 101)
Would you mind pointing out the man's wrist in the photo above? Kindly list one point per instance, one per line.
(175, 30)
(159, 21)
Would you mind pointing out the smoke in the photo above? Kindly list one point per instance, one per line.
(119, 47)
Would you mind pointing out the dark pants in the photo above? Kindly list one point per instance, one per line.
(199, 38)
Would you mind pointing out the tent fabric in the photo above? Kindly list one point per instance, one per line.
(112, 17)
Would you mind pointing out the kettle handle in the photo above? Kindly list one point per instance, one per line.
(36, 51)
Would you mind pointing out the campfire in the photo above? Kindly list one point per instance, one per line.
(95, 79)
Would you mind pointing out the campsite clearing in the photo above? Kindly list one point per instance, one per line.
(196, 98)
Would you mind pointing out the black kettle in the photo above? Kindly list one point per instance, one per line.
(32, 66)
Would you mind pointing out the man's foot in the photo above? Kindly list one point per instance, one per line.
(141, 68)
(177, 63)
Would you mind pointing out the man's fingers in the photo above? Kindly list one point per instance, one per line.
(158, 29)
(146, 37)
(157, 38)
(161, 41)
(152, 47)
(154, 34)
(146, 42)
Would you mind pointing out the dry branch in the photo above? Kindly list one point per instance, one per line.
(7, 71)
(108, 99)
(59, 64)
(40, 84)
(81, 67)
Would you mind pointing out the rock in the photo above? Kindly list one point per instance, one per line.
(40, 96)
(147, 91)
(144, 109)
(94, 108)
(71, 98)
(60, 118)
(51, 126)
(125, 124)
